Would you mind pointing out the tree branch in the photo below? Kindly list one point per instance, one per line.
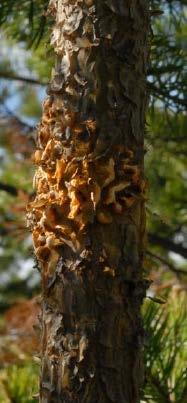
(171, 68)
(167, 244)
(166, 94)
(27, 80)
(166, 263)
(10, 114)
(9, 189)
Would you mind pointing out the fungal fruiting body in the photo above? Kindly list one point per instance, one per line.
(74, 189)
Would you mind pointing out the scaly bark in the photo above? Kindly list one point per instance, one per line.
(88, 219)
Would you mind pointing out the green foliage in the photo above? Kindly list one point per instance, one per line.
(25, 20)
(165, 351)
(166, 166)
(167, 75)
(41, 62)
(19, 383)
(30, 109)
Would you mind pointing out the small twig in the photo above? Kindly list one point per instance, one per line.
(168, 244)
(166, 263)
(166, 94)
(27, 80)
(9, 189)
(17, 119)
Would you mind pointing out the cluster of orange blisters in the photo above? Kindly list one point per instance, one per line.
(72, 189)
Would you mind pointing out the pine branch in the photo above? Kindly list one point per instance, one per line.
(12, 190)
(166, 263)
(13, 77)
(167, 95)
(169, 68)
(161, 390)
(11, 115)
(168, 244)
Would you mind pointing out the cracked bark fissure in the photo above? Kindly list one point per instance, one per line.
(88, 218)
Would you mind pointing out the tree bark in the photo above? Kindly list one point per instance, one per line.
(88, 218)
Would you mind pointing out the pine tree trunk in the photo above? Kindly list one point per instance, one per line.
(88, 219)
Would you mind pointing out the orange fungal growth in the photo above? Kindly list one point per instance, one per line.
(72, 189)
(60, 169)
(37, 157)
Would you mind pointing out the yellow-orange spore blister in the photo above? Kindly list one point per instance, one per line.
(72, 189)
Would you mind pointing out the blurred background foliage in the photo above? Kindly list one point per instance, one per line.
(26, 60)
